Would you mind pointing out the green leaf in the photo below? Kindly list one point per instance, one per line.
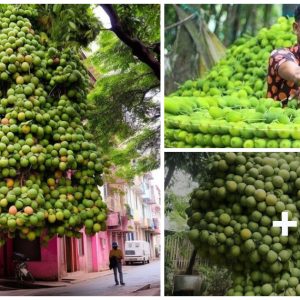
(57, 8)
(72, 25)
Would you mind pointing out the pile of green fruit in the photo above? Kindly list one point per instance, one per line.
(49, 166)
(227, 109)
(231, 216)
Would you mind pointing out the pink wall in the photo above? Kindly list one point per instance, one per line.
(96, 253)
(100, 247)
(82, 259)
(48, 267)
(53, 264)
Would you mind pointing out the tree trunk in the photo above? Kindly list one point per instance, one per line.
(137, 47)
(236, 23)
(169, 175)
(267, 14)
(250, 12)
(253, 24)
(228, 24)
(189, 270)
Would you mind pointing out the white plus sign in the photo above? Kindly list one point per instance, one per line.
(284, 223)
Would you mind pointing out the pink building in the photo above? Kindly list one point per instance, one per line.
(59, 257)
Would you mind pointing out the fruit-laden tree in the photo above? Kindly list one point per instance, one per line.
(50, 168)
(231, 221)
(127, 107)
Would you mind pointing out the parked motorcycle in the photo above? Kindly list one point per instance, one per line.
(21, 269)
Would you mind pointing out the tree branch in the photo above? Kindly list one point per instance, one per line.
(138, 48)
(180, 22)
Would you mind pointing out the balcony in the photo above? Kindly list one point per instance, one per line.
(145, 224)
(117, 222)
(138, 190)
(113, 220)
(150, 225)
(153, 226)
(129, 226)
(157, 231)
(156, 223)
(149, 201)
(155, 208)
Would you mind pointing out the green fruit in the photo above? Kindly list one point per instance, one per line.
(224, 219)
(266, 289)
(231, 186)
(260, 195)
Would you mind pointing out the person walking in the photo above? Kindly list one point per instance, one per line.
(115, 262)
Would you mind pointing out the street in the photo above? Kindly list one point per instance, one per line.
(135, 277)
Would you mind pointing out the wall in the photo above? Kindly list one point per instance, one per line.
(48, 267)
(100, 251)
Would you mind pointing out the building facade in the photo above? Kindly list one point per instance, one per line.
(135, 211)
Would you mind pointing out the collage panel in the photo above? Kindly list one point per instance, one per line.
(231, 225)
(80, 177)
(232, 76)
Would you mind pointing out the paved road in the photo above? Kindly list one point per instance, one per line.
(135, 277)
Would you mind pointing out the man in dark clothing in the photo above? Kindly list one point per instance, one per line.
(115, 262)
(284, 70)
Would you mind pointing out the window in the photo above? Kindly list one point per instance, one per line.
(130, 236)
(31, 249)
(147, 237)
(81, 247)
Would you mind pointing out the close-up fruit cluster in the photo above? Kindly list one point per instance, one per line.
(228, 108)
(49, 166)
(231, 218)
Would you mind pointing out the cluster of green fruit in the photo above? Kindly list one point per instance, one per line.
(231, 216)
(49, 166)
(230, 122)
(226, 108)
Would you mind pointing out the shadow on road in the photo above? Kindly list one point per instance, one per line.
(10, 284)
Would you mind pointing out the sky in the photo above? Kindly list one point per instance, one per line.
(101, 14)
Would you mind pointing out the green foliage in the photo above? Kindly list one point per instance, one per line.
(130, 159)
(128, 211)
(216, 279)
(169, 272)
(175, 207)
(68, 25)
(125, 96)
(142, 21)
(169, 267)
